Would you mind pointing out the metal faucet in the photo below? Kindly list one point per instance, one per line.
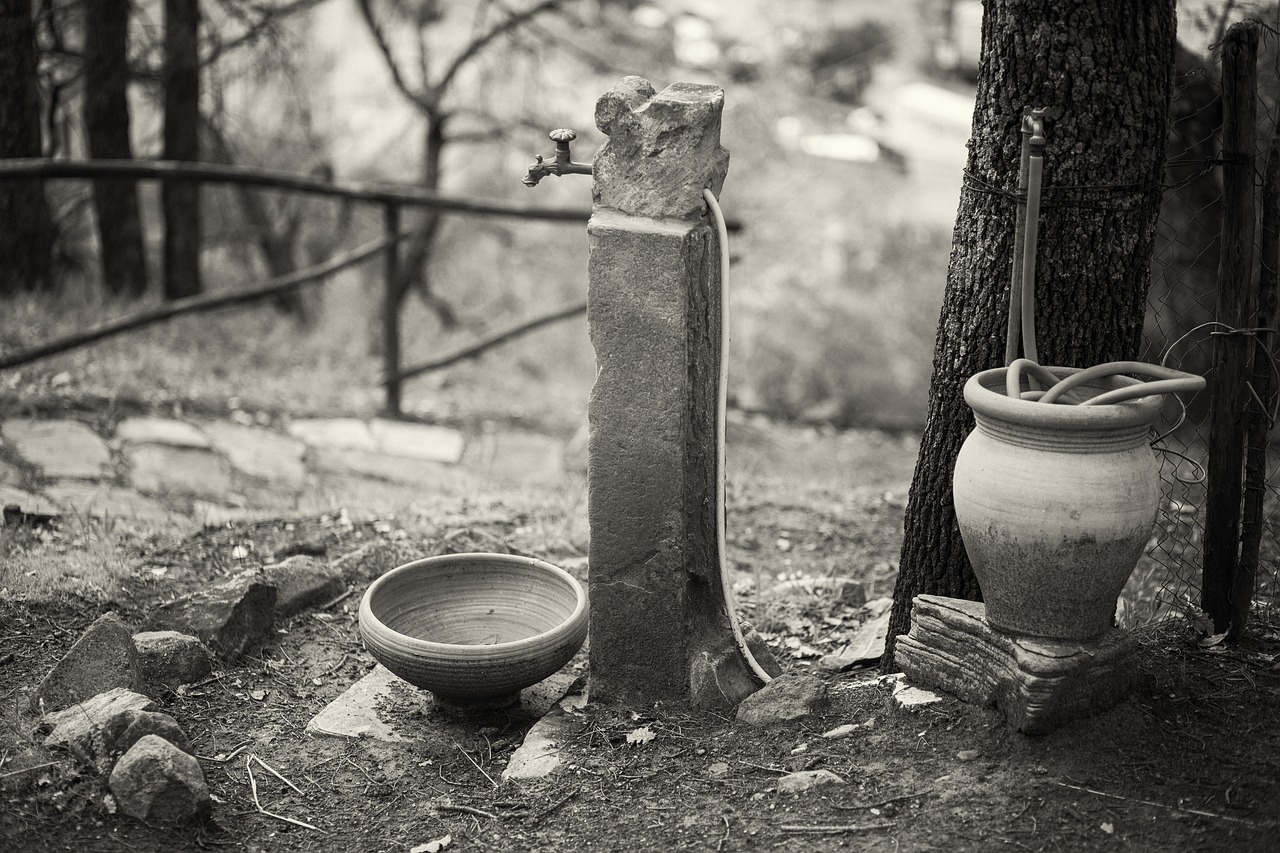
(563, 164)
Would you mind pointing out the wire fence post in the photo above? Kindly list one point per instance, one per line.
(1231, 351)
(1259, 404)
(391, 298)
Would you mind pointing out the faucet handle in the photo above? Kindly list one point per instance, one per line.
(562, 164)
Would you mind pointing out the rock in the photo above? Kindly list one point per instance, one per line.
(103, 500)
(1038, 683)
(74, 728)
(96, 737)
(132, 726)
(230, 617)
(62, 448)
(161, 431)
(158, 469)
(417, 441)
(865, 649)
(362, 710)
(783, 700)
(158, 783)
(334, 432)
(760, 650)
(539, 755)
(261, 453)
(805, 780)
(104, 657)
(663, 148)
(840, 731)
(302, 582)
(912, 699)
(172, 658)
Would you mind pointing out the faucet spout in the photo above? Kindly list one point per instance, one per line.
(563, 164)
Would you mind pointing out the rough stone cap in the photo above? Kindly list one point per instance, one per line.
(663, 148)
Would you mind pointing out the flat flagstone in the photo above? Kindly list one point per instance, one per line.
(157, 469)
(417, 441)
(866, 647)
(395, 469)
(538, 756)
(261, 453)
(104, 501)
(28, 501)
(356, 713)
(168, 431)
(334, 432)
(384, 707)
(61, 448)
(519, 457)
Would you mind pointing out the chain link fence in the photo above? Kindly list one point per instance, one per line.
(1181, 325)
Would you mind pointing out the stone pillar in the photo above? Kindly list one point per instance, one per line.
(660, 628)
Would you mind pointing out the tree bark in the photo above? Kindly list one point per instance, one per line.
(181, 199)
(106, 124)
(1103, 71)
(26, 238)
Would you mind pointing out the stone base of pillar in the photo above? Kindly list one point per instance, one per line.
(1038, 683)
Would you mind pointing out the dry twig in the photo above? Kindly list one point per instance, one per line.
(835, 829)
(253, 788)
(450, 807)
(1183, 809)
(882, 803)
(476, 765)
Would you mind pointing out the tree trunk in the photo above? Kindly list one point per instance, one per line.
(106, 124)
(181, 199)
(26, 238)
(1103, 70)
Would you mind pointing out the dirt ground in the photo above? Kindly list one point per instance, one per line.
(1190, 762)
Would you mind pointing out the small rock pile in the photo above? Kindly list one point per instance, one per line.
(96, 704)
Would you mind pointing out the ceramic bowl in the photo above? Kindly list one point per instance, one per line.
(474, 629)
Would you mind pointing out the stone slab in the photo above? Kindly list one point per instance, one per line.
(68, 724)
(359, 711)
(61, 448)
(418, 441)
(104, 501)
(334, 432)
(866, 648)
(158, 469)
(167, 431)
(538, 755)
(29, 501)
(1038, 684)
(260, 453)
(384, 707)
(523, 458)
(379, 466)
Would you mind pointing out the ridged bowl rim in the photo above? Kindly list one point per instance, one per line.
(419, 645)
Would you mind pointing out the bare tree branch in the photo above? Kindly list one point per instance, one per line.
(418, 99)
(480, 42)
(269, 19)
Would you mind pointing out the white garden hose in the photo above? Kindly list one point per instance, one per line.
(722, 405)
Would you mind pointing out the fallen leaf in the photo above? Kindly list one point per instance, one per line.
(435, 845)
(640, 736)
(1210, 642)
(1108, 828)
(718, 769)
(258, 694)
